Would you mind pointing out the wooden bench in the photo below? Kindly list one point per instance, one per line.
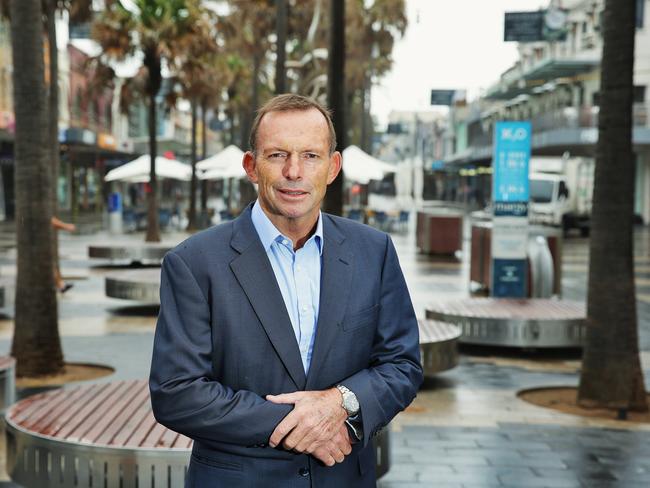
(534, 322)
(130, 252)
(7, 382)
(138, 284)
(102, 435)
(438, 346)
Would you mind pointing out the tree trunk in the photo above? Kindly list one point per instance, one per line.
(53, 116)
(192, 224)
(281, 47)
(36, 344)
(154, 80)
(611, 372)
(204, 155)
(336, 97)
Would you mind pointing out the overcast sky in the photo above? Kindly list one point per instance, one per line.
(449, 44)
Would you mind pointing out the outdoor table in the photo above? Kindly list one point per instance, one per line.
(533, 322)
(102, 435)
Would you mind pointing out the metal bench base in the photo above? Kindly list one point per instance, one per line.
(38, 462)
(483, 327)
(438, 346)
(142, 253)
(141, 285)
(35, 461)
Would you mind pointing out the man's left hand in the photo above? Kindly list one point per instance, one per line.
(316, 418)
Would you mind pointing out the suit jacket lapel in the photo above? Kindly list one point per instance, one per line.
(336, 279)
(255, 275)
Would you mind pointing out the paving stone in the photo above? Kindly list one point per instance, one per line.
(545, 482)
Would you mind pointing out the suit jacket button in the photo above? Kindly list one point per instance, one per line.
(303, 472)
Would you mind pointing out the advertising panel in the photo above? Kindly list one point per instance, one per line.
(510, 190)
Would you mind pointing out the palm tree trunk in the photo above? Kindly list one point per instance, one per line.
(53, 115)
(36, 343)
(611, 372)
(336, 97)
(281, 47)
(204, 155)
(154, 80)
(192, 224)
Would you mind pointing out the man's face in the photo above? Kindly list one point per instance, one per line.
(293, 166)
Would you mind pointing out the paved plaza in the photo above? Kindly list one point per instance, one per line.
(467, 428)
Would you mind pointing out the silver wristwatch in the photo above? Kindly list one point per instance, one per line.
(350, 403)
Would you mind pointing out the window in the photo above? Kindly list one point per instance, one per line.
(541, 191)
(639, 94)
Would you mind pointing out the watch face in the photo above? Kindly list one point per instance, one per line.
(351, 403)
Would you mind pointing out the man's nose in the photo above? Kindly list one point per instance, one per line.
(293, 167)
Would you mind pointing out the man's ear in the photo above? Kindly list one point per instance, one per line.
(335, 166)
(249, 166)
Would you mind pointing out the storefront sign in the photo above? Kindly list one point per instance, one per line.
(74, 135)
(510, 190)
(106, 141)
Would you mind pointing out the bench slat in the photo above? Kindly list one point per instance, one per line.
(69, 430)
(122, 423)
(107, 414)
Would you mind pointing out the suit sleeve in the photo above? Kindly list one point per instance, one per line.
(184, 395)
(391, 381)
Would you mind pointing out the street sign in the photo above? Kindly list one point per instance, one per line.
(442, 97)
(510, 191)
(540, 25)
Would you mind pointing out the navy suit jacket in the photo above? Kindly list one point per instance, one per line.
(224, 340)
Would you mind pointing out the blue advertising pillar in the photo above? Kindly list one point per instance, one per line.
(510, 190)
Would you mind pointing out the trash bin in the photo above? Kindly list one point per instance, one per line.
(115, 213)
(542, 277)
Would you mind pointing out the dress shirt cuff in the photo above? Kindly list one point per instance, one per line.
(355, 425)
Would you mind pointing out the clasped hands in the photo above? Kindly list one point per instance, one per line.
(315, 426)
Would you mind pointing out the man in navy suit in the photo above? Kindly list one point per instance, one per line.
(286, 338)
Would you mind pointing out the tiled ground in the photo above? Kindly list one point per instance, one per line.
(467, 428)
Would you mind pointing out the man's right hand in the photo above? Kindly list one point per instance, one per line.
(334, 450)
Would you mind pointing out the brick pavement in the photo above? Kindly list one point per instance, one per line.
(467, 428)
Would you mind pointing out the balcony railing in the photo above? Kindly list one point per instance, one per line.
(564, 118)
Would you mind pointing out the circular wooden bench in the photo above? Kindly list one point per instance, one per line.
(438, 346)
(535, 322)
(102, 435)
(7, 382)
(132, 252)
(139, 284)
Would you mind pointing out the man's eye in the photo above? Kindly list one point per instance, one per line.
(310, 156)
(278, 155)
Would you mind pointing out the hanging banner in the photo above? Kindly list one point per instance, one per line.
(510, 191)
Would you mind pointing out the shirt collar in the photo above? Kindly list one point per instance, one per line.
(269, 233)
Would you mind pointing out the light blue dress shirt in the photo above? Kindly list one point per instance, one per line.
(298, 276)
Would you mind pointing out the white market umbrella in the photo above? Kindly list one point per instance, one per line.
(223, 165)
(137, 171)
(361, 167)
(226, 158)
(233, 171)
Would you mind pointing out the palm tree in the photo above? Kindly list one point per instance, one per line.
(199, 81)
(336, 97)
(611, 372)
(36, 342)
(79, 10)
(281, 46)
(159, 30)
